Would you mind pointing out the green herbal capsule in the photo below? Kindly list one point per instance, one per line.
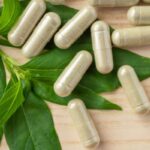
(139, 15)
(72, 74)
(113, 3)
(102, 47)
(41, 34)
(133, 89)
(146, 1)
(75, 27)
(24, 26)
(84, 124)
(134, 36)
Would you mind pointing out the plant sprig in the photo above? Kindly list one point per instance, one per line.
(23, 111)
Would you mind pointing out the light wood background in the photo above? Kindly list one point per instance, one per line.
(118, 130)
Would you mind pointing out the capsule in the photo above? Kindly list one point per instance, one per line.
(113, 3)
(56, 2)
(133, 89)
(146, 1)
(75, 27)
(102, 47)
(72, 74)
(134, 36)
(27, 21)
(84, 124)
(139, 15)
(41, 35)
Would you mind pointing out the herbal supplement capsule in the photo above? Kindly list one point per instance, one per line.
(139, 15)
(102, 47)
(27, 21)
(75, 27)
(56, 2)
(113, 3)
(133, 89)
(41, 35)
(84, 124)
(72, 74)
(134, 36)
(146, 1)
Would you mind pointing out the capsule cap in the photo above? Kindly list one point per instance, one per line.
(41, 3)
(125, 70)
(117, 38)
(61, 42)
(55, 19)
(92, 10)
(92, 143)
(75, 103)
(61, 90)
(99, 26)
(133, 15)
(16, 41)
(144, 109)
(87, 54)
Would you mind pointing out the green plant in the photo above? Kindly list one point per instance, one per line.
(22, 103)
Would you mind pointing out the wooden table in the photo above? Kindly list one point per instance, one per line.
(118, 130)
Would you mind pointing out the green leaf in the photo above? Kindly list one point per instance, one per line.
(59, 9)
(139, 63)
(2, 87)
(2, 78)
(105, 83)
(4, 41)
(24, 3)
(10, 13)
(54, 59)
(48, 67)
(32, 127)
(10, 102)
(91, 99)
(44, 70)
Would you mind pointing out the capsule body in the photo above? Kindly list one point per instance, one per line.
(146, 1)
(72, 74)
(27, 21)
(41, 34)
(139, 15)
(113, 3)
(56, 2)
(83, 124)
(102, 47)
(133, 88)
(135, 36)
(75, 27)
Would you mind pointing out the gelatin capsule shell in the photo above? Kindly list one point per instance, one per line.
(83, 123)
(26, 23)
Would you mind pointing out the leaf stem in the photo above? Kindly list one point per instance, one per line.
(14, 68)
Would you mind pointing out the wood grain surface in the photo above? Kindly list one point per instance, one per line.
(123, 130)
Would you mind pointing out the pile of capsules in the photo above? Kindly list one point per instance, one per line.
(33, 37)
